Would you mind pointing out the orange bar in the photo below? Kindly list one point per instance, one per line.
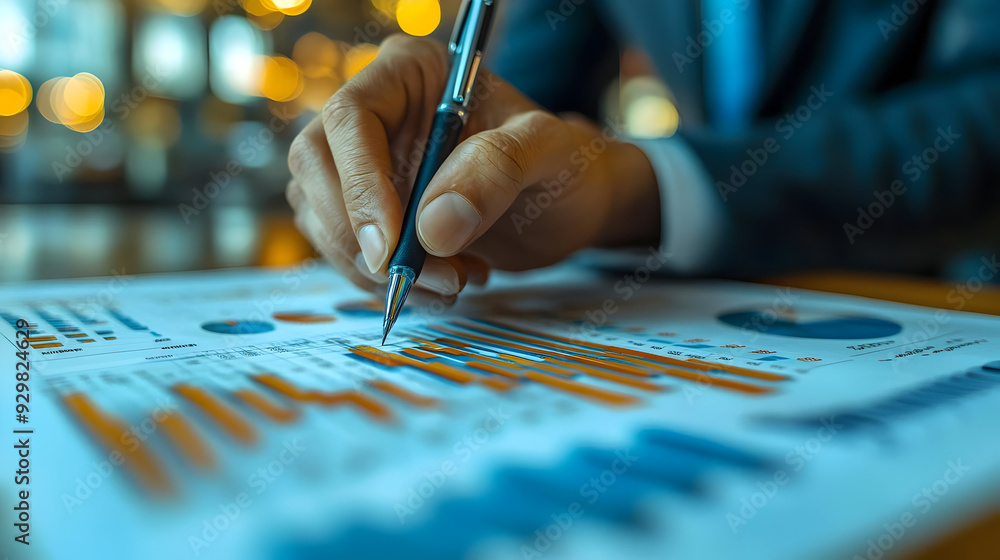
(746, 372)
(180, 433)
(418, 354)
(109, 431)
(624, 380)
(574, 354)
(487, 359)
(265, 406)
(492, 369)
(717, 381)
(537, 365)
(373, 407)
(453, 342)
(47, 345)
(377, 356)
(404, 394)
(281, 386)
(234, 424)
(609, 397)
(392, 360)
(613, 350)
(75, 335)
(497, 384)
(40, 338)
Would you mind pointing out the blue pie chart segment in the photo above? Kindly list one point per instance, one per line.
(834, 327)
(238, 327)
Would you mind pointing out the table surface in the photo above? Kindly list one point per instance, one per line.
(98, 246)
(974, 540)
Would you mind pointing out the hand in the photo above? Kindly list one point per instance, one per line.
(523, 189)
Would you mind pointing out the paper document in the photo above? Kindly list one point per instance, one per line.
(253, 414)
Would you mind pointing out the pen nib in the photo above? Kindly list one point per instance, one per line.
(400, 280)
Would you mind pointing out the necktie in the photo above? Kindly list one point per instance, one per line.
(731, 39)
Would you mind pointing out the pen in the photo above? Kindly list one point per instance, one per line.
(468, 41)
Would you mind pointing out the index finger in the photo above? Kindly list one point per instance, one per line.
(403, 82)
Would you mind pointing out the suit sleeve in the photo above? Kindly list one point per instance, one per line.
(892, 181)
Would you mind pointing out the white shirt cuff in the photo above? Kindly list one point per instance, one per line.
(692, 215)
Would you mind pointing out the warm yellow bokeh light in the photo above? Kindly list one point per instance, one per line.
(16, 125)
(288, 7)
(280, 79)
(13, 131)
(183, 7)
(88, 124)
(76, 103)
(84, 96)
(15, 93)
(257, 7)
(418, 17)
(358, 57)
(267, 21)
(651, 117)
(156, 122)
(317, 91)
(387, 7)
(317, 55)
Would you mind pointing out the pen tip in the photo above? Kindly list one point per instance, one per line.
(399, 287)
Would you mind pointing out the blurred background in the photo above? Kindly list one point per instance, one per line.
(151, 135)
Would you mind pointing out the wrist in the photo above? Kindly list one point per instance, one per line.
(633, 216)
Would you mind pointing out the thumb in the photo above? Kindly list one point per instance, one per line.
(484, 175)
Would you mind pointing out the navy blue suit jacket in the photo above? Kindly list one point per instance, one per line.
(897, 164)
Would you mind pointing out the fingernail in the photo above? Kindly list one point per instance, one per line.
(372, 246)
(448, 223)
(439, 277)
(362, 266)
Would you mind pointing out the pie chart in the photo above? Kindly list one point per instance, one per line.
(303, 317)
(804, 324)
(238, 327)
(364, 308)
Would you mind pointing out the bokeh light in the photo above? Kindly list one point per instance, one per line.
(76, 103)
(288, 7)
(15, 93)
(267, 21)
(182, 7)
(652, 117)
(256, 7)
(13, 130)
(418, 17)
(317, 55)
(358, 57)
(387, 7)
(280, 79)
(156, 122)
